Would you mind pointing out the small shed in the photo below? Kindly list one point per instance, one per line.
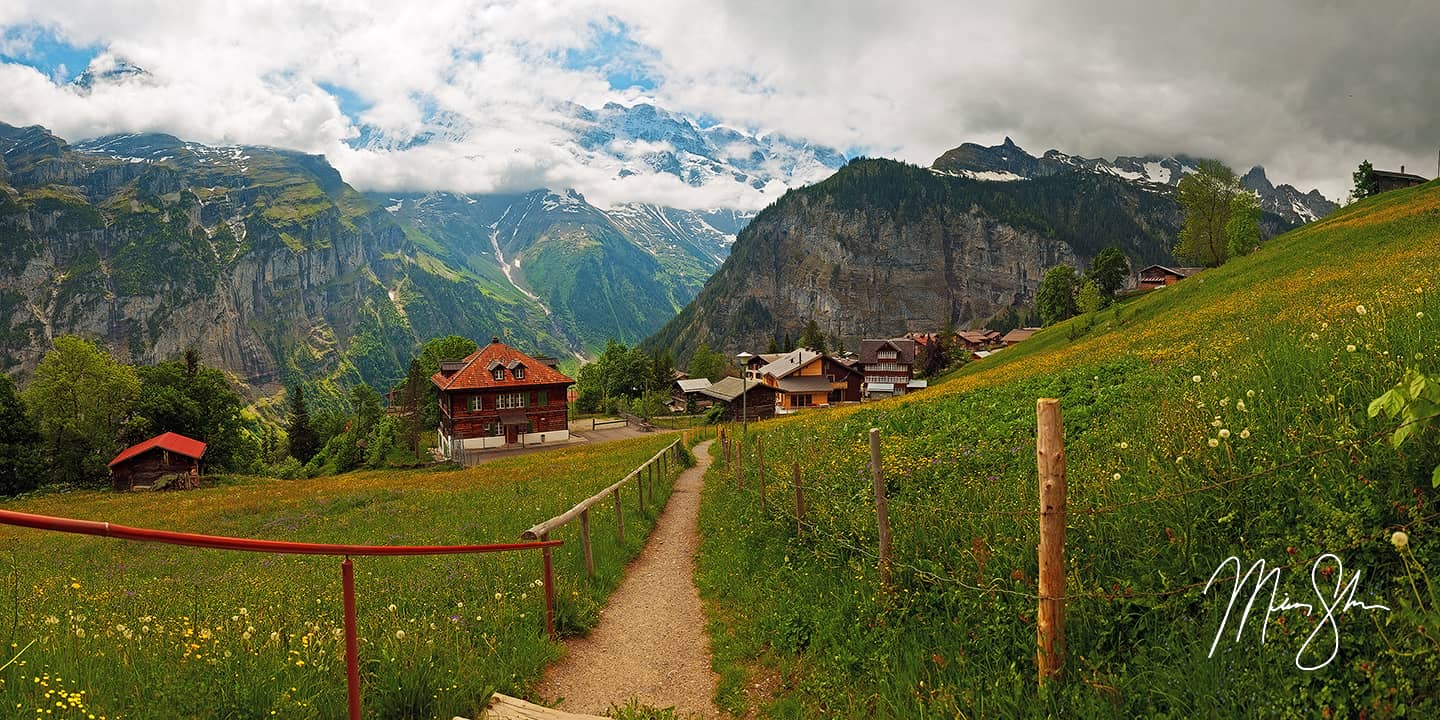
(171, 458)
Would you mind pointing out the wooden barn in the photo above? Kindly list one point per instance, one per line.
(171, 461)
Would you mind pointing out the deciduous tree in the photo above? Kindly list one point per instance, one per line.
(1364, 177)
(1206, 197)
(81, 398)
(1056, 297)
(1108, 270)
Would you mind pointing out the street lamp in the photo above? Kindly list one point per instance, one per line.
(744, 392)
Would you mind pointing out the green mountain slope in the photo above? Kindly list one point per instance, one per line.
(262, 259)
(1224, 416)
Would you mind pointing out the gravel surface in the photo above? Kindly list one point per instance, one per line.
(651, 643)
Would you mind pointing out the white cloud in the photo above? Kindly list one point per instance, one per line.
(1306, 90)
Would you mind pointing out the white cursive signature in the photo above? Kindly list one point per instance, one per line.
(1329, 606)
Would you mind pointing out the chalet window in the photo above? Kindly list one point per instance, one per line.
(495, 429)
(886, 355)
(519, 372)
(801, 401)
(498, 374)
(475, 403)
(509, 401)
(544, 398)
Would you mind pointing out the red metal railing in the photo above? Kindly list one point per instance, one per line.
(347, 571)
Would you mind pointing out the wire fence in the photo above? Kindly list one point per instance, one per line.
(818, 511)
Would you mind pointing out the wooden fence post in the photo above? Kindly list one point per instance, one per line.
(619, 515)
(882, 506)
(740, 462)
(585, 542)
(1050, 618)
(760, 468)
(640, 489)
(549, 579)
(799, 504)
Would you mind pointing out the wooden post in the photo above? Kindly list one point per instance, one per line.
(760, 468)
(799, 504)
(640, 489)
(585, 542)
(882, 506)
(1050, 459)
(549, 579)
(740, 462)
(619, 515)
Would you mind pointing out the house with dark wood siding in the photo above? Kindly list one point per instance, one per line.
(887, 366)
(169, 457)
(500, 396)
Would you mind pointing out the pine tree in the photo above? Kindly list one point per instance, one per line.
(304, 443)
(416, 384)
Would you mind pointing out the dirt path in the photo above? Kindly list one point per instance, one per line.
(651, 642)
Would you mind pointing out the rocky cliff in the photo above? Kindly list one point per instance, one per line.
(882, 248)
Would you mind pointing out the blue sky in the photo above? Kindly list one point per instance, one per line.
(40, 48)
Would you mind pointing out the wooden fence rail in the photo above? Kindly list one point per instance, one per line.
(644, 476)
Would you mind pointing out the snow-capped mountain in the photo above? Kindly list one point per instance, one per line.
(1008, 162)
(643, 139)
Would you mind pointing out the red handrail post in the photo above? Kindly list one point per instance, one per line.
(352, 640)
(549, 593)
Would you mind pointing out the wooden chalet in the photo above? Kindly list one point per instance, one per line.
(1387, 180)
(1156, 276)
(755, 398)
(973, 340)
(1018, 335)
(169, 460)
(500, 396)
(687, 394)
(753, 365)
(805, 378)
(888, 366)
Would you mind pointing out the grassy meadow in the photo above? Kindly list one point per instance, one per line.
(1224, 416)
(100, 628)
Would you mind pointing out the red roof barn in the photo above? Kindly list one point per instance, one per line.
(171, 457)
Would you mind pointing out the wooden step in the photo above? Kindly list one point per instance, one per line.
(504, 707)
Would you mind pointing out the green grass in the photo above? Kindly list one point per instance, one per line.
(140, 630)
(1300, 470)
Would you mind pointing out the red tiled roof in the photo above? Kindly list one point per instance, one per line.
(476, 373)
(174, 442)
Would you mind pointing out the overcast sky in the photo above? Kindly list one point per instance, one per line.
(1306, 88)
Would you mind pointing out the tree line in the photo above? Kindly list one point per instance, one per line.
(81, 407)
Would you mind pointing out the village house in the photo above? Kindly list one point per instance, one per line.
(973, 340)
(1387, 180)
(753, 365)
(169, 460)
(1018, 335)
(756, 401)
(1156, 276)
(686, 394)
(887, 366)
(500, 396)
(805, 378)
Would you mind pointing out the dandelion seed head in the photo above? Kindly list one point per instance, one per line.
(1212, 442)
(1400, 539)
(1225, 433)
(1360, 309)
(1245, 434)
